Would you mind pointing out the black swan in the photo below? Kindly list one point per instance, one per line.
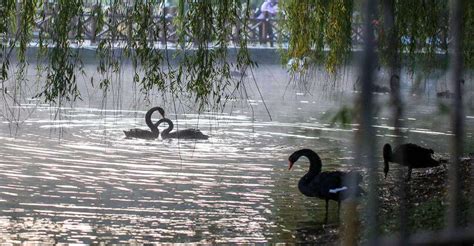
(323, 185)
(182, 134)
(410, 155)
(445, 94)
(145, 134)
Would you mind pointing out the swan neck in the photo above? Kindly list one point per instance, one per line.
(166, 132)
(149, 123)
(315, 163)
(387, 153)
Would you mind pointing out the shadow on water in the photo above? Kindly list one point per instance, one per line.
(90, 185)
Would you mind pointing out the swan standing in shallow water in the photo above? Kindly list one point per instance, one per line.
(145, 134)
(182, 134)
(324, 185)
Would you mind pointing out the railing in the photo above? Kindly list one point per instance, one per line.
(117, 27)
(265, 32)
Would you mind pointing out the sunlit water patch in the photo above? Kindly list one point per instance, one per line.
(72, 177)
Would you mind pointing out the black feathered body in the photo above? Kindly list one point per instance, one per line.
(186, 134)
(146, 134)
(414, 156)
(181, 134)
(140, 133)
(320, 185)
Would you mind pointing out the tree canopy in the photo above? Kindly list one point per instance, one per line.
(319, 31)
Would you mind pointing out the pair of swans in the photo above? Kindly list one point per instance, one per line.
(331, 186)
(154, 132)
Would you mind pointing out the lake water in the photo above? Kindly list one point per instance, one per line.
(70, 176)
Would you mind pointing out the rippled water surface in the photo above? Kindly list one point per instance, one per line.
(70, 176)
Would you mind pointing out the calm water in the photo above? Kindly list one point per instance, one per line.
(69, 175)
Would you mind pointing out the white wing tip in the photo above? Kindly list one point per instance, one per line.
(336, 190)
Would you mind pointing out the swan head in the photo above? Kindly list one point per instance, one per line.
(164, 120)
(292, 159)
(290, 165)
(161, 111)
(314, 160)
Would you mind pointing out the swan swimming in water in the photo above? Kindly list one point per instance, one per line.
(182, 134)
(145, 134)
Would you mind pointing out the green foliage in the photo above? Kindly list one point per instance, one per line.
(344, 116)
(7, 22)
(204, 31)
(205, 72)
(108, 61)
(468, 27)
(423, 31)
(27, 13)
(338, 33)
(64, 61)
(314, 25)
(320, 32)
(306, 22)
(142, 44)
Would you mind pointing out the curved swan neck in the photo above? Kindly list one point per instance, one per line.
(166, 132)
(387, 152)
(387, 156)
(315, 163)
(149, 123)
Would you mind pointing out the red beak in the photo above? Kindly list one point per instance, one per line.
(290, 165)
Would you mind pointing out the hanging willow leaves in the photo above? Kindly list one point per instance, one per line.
(27, 15)
(7, 22)
(468, 27)
(338, 33)
(43, 37)
(244, 60)
(143, 45)
(312, 25)
(422, 30)
(204, 30)
(26, 11)
(319, 32)
(64, 61)
(297, 17)
(109, 63)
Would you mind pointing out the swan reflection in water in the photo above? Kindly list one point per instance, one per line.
(181, 134)
(146, 134)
